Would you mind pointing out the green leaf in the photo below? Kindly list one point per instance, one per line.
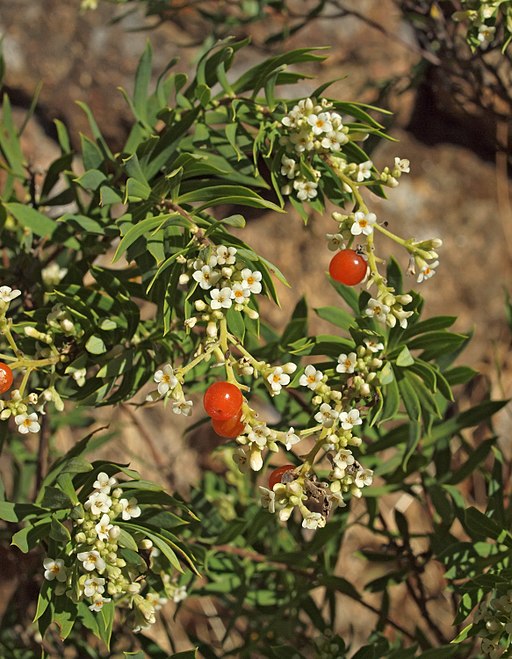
(479, 525)
(55, 499)
(95, 345)
(64, 615)
(43, 599)
(217, 195)
(144, 227)
(38, 223)
(405, 358)
(59, 532)
(336, 316)
(91, 180)
(142, 79)
(106, 622)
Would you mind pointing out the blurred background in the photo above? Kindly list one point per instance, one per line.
(451, 119)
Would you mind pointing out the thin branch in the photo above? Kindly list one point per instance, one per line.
(144, 434)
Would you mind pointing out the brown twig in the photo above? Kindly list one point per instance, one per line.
(144, 434)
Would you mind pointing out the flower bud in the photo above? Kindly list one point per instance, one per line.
(183, 279)
(252, 313)
(211, 329)
(200, 305)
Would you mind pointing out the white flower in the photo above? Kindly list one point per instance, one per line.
(278, 379)
(350, 419)
(320, 123)
(27, 423)
(291, 438)
(94, 586)
(240, 294)
(52, 274)
(314, 521)
(486, 34)
(221, 298)
(363, 223)
(54, 569)
(305, 189)
(326, 416)
(91, 560)
(343, 459)
(364, 171)
(346, 363)
(104, 482)
(157, 602)
(206, 277)
(166, 379)
(259, 435)
(98, 503)
(226, 255)
(7, 293)
(334, 241)
(402, 165)
(333, 140)
(311, 378)
(183, 407)
(98, 603)
(78, 375)
(179, 594)
(373, 345)
(302, 141)
(427, 271)
(288, 167)
(103, 527)
(251, 280)
(268, 499)
(377, 309)
(240, 458)
(364, 477)
(129, 508)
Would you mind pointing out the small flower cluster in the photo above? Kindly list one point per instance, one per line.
(257, 436)
(92, 569)
(388, 308)
(497, 616)
(169, 381)
(390, 175)
(311, 129)
(482, 16)
(337, 416)
(228, 283)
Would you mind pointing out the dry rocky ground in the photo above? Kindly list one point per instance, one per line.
(450, 193)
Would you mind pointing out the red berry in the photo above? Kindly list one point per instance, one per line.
(5, 378)
(277, 475)
(348, 267)
(230, 428)
(222, 401)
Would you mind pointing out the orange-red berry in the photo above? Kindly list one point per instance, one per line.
(348, 267)
(222, 401)
(230, 428)
(277, 475)
(6, 378)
